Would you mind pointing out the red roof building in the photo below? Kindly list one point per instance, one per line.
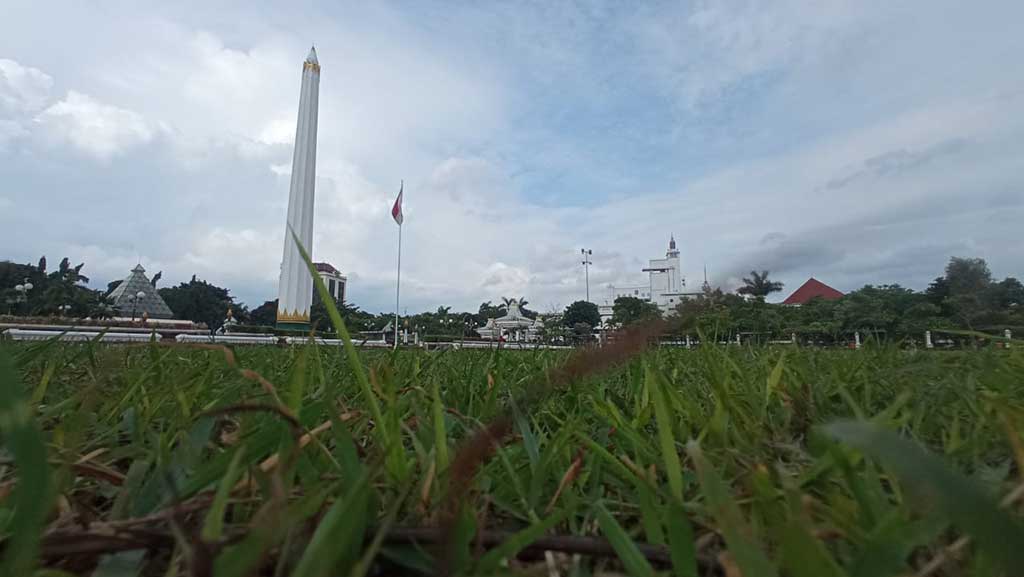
(812, 289)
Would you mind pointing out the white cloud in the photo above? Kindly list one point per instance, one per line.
(10, 130)
(234, 256)
(705, 51)
(95, 128)
(22, 88)
(865, 143)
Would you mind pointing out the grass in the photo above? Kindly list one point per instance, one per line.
(738, 461)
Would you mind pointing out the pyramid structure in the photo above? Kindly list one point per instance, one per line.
(152, 304)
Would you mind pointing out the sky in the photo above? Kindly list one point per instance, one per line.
(857, 142)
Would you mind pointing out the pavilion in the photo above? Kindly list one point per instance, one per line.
(514, 326)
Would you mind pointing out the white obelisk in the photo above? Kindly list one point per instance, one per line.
(295, 291)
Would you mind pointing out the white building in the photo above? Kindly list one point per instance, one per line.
(334, 280)
(664, 286)
(514, 326)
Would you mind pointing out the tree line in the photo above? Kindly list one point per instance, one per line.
(966, 296)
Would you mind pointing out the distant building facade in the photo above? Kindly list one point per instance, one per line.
(812, 289)
(332, 277)
(664, 286)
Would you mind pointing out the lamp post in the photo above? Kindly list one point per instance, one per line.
(586, 267)
(135, 301)
(22, 290)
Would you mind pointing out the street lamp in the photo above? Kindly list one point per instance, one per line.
(22, 290)
(586, 267)
(135, 301)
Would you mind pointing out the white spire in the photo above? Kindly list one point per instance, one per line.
(295, 291)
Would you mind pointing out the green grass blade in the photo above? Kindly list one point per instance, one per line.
(33, 493)
(491, 561)
(44, 382)
(738, 536)
(927, 477)
(363, 566)
(123, 564)
(681, 542)
(297, 382)
(339, 325)
(529, 439)
(440, 432)
(342, 527)
(650, 514)
(666, 438)
(214, 525)
(773, 381)
(802, 554)
(634, 561)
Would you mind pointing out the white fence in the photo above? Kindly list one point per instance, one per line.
(79, 336)
(228, 339)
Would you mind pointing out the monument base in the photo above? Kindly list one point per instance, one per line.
(299, 327)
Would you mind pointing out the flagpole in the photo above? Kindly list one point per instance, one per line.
(398, 277)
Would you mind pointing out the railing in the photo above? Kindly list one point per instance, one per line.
(78, 336)
(229, 339)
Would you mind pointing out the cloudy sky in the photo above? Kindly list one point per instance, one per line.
(858, 142)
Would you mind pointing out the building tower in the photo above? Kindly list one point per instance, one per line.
(674, 279)
(295, 289)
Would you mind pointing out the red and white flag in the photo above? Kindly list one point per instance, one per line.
(396, 211)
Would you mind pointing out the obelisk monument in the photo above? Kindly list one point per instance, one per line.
(295, 290)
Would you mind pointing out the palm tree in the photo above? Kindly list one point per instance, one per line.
(758, 285)
(64, 288)
(506, 301)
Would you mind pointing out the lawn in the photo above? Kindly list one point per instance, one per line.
(316, 461)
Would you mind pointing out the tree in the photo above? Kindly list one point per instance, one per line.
(265, 314)
(488, 311)
(581, 312)
(102, 307)
(202, 302)
(552, 329)
(709, 314)
(967, 275)
(758, 285)
(358, 320)
(507, 301)
(968, 281)
(886, 310)
(61, 291)
(937, 294)
(819, 317)
(630, 310)
(1006, 294)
